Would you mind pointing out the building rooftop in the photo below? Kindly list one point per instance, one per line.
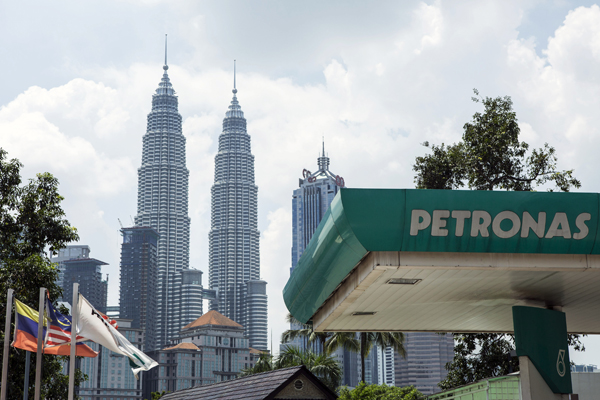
(266, 385)
(213, 318)
(183, 346)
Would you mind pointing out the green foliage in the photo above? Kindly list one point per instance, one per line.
(380, 392)
(323, 366)
(31, 220)
(158, 395)
(367, 340)
(479, 356)
(332, 341)
(490, 156)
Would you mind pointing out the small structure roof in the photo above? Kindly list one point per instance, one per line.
(213, 318)
(267, 385)
(183, 346)
(256, 351)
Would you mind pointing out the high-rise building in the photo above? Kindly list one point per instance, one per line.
(426, 356)
(190, 296)
(234, 260)
(210, 349)
(76, 266)
(310, 202)
(163, 202)
(139, 273)
(68, 253)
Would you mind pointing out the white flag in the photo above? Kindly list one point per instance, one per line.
(94, 327)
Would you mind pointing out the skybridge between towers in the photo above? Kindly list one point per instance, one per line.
(458, 261)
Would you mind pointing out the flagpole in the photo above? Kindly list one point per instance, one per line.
(74, 321)
(40, 345)
(9, 301)
(26, 380)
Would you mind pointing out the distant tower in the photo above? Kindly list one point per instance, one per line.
(234, 263)
(163, 202)
(310, 202)
(139, 274)
(75, 265)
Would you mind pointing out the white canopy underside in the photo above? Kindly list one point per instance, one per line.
(462, 292)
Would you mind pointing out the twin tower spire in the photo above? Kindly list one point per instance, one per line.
(234, 256)
(166, 67)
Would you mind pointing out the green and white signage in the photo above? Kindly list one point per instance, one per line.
(541, 335)
(454, 221)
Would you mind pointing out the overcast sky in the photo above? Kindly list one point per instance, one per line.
(375, 79)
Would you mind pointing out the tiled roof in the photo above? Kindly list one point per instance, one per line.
(256, 351)
(184, 346)
(213, 318)
(251, 387)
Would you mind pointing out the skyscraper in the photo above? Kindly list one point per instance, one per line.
(163, 202)
(426, 356)
(139, 270)
(310, 202)
(234, 263)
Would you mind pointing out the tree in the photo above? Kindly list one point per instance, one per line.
(323, 366)
(332, 341)
(380, 392)
(31, 221)
(158, 395)
(304, 331)
(367, 340)
(490, 156)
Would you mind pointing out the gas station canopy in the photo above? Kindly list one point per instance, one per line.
(449, 261)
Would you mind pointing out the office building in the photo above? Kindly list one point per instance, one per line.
(190, 296)
(76, 266)
(139, 274)
(68, 253)
(426, 356)
(163, 202)
(211, 349)
(109, 374)
(234, 260)
(310, 202)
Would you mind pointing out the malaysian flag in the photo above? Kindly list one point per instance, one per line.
(59, 334)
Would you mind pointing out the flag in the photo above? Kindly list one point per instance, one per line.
(59, 335)
(93, 326)
(26, 327)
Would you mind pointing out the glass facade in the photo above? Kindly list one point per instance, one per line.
(139, 274)
(163, 203)
(426, 356)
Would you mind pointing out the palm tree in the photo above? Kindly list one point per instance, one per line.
(263, 364)
(324, 366)
(305, 331)
(367, 340)
(329, 341)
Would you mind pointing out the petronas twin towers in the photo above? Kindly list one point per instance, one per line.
(234, 265)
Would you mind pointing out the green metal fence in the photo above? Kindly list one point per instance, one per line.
(501, 388)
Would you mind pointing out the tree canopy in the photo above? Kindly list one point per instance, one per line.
(380, 392)
(31, 222)
(323, 366)
(490, 156)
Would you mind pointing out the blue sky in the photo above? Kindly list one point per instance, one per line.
(375, 79)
